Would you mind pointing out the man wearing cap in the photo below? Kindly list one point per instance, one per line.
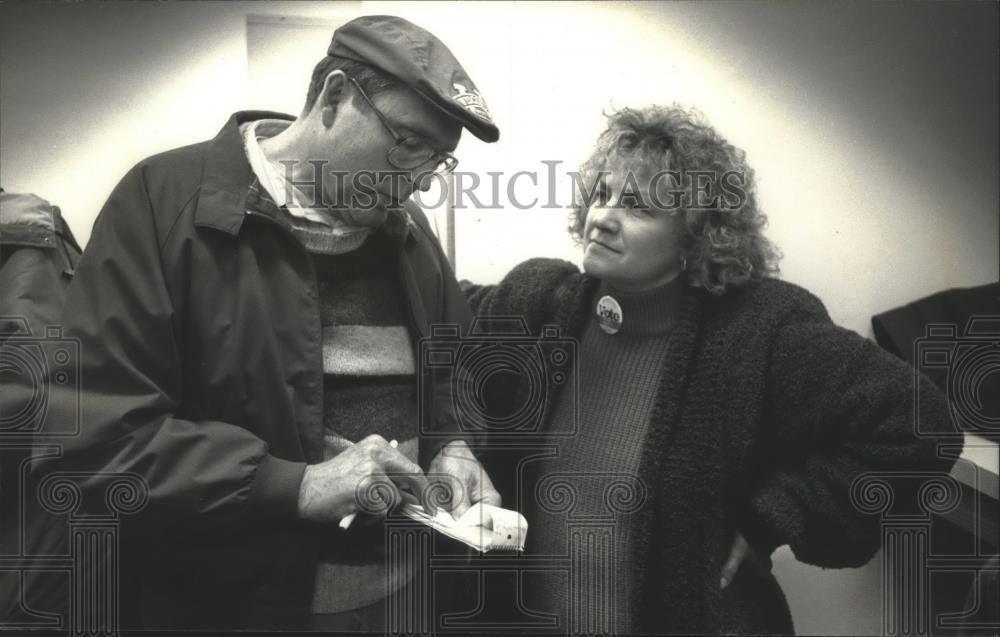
(248, 312)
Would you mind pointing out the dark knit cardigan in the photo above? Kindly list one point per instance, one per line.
(766, 413)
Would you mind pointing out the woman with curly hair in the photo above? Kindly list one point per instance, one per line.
(732, 409)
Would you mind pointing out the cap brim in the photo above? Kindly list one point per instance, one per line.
(483, 130)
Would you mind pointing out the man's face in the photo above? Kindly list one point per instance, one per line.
(356, 148)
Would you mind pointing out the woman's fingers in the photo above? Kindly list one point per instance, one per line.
(737, 554)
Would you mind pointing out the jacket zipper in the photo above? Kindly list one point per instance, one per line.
(313, 284)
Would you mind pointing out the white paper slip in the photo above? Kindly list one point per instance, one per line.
(483, 527)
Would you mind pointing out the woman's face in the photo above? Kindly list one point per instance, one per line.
(629, 241)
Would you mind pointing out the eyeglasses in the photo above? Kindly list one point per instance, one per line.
(410, 152)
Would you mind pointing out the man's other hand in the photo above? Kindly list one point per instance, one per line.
(468, 482)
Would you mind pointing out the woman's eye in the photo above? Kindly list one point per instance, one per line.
(637, 209)
(633, 202)
(602, 195)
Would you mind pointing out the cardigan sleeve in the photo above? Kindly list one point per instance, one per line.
(838, 407)
(528, 291)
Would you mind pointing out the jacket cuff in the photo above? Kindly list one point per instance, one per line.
(757, 533)
(275, 488)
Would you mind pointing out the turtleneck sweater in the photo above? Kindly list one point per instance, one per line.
(617, 377)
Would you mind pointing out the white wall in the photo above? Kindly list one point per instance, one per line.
(89, 89)
(872, 128)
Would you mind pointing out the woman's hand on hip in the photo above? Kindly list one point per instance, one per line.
(739, 553)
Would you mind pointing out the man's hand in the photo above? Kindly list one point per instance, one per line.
(330, 490)
(456, 461)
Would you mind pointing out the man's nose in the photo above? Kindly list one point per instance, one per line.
(423, 181)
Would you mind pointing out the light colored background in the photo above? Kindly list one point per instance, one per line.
(872, 128)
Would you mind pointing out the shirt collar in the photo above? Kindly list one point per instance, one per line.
(226, 186)
(272, 177)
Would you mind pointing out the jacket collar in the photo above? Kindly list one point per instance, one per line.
(28, 220)
(225, 188)
(227, 177)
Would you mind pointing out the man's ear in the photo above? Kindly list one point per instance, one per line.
(332, 96)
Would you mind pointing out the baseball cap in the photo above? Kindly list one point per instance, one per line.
(419, 60)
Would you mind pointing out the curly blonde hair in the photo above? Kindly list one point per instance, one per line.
(724, 244)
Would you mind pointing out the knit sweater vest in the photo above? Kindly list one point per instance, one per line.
(368, 370)
(618, 377)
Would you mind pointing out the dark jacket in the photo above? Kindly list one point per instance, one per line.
(766, 413)
(38, 255)
(201, 364)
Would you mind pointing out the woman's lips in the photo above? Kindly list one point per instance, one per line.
(595, 242)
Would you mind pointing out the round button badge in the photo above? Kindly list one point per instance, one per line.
(609, 315)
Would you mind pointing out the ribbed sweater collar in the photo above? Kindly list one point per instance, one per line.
(645, 313)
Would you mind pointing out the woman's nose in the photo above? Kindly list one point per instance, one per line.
(606, 218)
